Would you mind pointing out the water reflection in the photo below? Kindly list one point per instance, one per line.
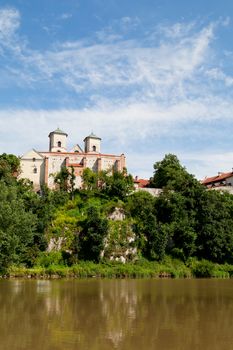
(116, 314)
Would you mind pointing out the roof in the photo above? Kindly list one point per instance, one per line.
(58, 131)
(92, 136)
(32, 154)
(81, 153)
(217, 178)
(77, 148)
(75, 165)
(141, 182)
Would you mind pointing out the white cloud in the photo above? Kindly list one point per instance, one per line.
(226, 21)
(65, 16)
(10, 19)
(177, 30)
(124, 128)
(201, 164)
(218, 75)
(143, 69)
(151, 69)
(9, 22)
(117, 29)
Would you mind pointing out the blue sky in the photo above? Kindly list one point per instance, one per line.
(150, 77)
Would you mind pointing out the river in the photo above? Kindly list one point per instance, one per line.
(116, 314)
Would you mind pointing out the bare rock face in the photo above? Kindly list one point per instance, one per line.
(117, 215)
(55, 244)
(120, 244)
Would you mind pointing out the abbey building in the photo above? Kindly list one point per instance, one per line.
(41, 167)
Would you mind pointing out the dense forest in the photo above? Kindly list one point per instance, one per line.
(66, 226)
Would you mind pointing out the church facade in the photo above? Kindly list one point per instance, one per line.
(41, 167)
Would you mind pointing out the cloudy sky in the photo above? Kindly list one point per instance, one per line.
(148, 76)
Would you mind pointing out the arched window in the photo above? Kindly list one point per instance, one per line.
(94, 148)
(59, 144)
(35, 170)
(33, 159)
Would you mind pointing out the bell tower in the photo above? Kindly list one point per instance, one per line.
(57, 141)
(92, 144)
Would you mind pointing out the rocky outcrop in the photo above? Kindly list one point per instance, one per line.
(120, 244)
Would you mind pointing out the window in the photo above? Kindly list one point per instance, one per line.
(34, 159)
(35, 170)
(59, 144)
(94, 148)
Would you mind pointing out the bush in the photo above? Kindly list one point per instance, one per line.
(46, 259)
(203, 269)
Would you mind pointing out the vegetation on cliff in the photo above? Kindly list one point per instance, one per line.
(187, 229)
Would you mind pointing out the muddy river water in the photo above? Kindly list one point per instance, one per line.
(116, 314)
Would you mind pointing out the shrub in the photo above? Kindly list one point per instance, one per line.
(203, 269)
(46, 259)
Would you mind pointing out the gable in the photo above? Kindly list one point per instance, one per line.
(32, 154)
(77, 148)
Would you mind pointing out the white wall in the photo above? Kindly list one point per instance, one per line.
(54, 139)
(90, 143)
(28, 163)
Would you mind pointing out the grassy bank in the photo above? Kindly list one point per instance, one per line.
(169, 268)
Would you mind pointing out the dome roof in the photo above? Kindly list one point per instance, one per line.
(58, 131)
(92, 136)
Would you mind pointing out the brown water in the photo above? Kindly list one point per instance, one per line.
(116, 314)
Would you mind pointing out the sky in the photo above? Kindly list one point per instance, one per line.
(150, 77)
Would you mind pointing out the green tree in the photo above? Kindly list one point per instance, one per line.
(12, 161)
(44, 207)
(215, 227)
(178, 220)
(140, 204)
(119, 185)
(116, 185)
(9, 168)
(91, 238)
(177, 207)
(65, 180)
(198, 222)
(170, 174)
(90, 180)
(17, 227)
(152, 240)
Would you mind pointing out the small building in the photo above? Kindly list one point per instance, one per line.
(143, 185)
(140, 183)
(222, 179)
(40, 167)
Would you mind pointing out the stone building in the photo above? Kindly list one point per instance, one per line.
(40, 167)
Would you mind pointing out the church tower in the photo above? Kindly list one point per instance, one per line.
(92, 144)
(57, 141)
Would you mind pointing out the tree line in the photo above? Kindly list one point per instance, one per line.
(185, 221)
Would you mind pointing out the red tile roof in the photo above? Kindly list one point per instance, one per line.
(80, 154)
(217, 178)
(141, 182)
(75, 165)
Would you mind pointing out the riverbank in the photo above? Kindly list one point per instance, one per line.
(170, 268)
